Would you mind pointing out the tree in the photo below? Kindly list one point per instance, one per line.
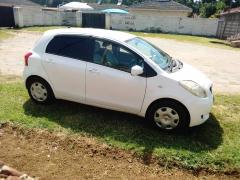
(207, 9)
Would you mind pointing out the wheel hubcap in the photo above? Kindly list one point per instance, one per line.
(38, 91)
(166, 118)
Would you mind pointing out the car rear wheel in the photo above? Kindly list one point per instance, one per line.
(40, 91)
(169, 115)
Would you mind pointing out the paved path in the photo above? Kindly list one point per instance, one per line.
(12, 52)
(221, 65)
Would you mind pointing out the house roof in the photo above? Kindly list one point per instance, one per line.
(19, 3)
(231, 11)
(166, 5)
(76, 6)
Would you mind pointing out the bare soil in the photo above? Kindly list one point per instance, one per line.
(49, 155)
(12, 51)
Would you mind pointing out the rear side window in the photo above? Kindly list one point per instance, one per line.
(71, 46)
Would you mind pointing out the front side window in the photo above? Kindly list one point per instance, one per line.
(161, 58)
(71, 46)
(116, 56)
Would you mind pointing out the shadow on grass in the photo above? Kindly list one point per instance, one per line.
(221, 43)
(129, 131)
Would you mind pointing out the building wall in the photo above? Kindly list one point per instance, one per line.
(229, 25)
(32, 16)
(166, 24)
(158, 13)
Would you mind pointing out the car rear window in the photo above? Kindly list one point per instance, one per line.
(76, 47)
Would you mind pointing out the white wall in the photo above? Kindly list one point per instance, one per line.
(146, 12)
(32, 16)
(166, 24)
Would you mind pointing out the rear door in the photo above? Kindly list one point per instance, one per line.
(65, 64)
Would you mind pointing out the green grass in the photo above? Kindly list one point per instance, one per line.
(4, 34)
(41, 28)
(207, 41)
(214, 145)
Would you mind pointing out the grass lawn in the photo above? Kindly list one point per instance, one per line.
(212, 42)
(214, 145)
(41, 28)
(4, 34)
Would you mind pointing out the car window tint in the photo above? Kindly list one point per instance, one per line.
(115, 56)
(71, 46)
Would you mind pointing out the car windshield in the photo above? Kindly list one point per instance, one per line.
(161, 58)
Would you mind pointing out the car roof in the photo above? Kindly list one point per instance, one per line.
(102, 33)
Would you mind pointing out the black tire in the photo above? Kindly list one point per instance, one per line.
(182, 112)
(48, 92)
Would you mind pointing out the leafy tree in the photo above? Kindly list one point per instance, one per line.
(220, 6)
(207, 9)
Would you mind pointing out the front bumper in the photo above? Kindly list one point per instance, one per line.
(200, 110)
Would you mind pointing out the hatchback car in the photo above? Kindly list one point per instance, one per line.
(118, 71)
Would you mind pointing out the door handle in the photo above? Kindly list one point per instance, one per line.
(48, 60)
(93, 70)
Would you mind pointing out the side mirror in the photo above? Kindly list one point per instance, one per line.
(136, 70)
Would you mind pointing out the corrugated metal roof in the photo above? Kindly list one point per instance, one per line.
(167, 5)
(231, 11)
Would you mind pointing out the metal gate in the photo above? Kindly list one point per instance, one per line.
(94, 20)
(6, 16)
(220, 29)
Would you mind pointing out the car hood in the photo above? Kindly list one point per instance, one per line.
(187, 72)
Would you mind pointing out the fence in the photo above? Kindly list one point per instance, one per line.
(179, 25)
(32, 16)
(229, 25)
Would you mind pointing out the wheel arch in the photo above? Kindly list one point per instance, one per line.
(38, 77)
(167, 100)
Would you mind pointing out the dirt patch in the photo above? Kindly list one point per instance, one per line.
(12, 51)
(49, 155)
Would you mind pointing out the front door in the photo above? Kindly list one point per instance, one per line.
(109, 82)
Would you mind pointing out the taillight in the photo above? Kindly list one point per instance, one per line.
(26, 57)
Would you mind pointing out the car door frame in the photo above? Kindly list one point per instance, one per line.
(81, 99)
(145, 73)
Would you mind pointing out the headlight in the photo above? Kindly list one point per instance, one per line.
(193, 88)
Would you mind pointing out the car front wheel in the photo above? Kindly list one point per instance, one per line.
(169, 115)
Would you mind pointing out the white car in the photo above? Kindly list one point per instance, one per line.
(118, 71)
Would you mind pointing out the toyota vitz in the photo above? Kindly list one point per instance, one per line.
(118, 71)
